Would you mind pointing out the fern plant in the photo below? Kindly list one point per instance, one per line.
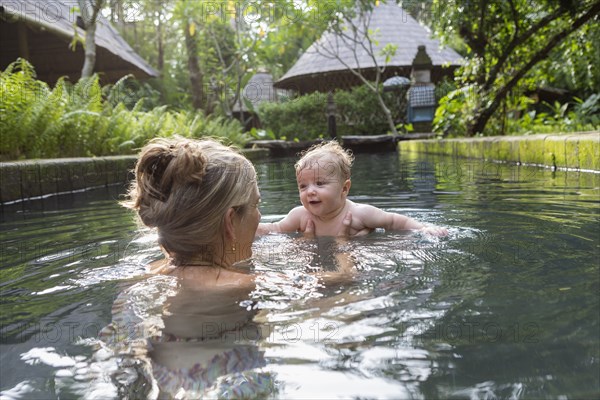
(86, 119)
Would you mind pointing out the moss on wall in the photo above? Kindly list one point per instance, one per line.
(577, 151)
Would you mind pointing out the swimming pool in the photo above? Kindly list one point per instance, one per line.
(507, 306)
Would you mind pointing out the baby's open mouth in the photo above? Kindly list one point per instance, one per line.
(314, 202)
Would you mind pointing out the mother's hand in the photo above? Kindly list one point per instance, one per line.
(344, 231)
(309, 231)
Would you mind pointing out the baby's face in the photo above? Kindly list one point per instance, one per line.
(322, 191)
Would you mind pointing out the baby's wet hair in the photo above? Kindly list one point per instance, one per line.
(341, 159)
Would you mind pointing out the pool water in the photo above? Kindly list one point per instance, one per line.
(506, 306)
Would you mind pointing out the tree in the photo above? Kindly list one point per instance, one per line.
(294, 26)
(89, 9)
(506, 39)
(571, 66)
(230, 48)
(352, 32)
(191, 45)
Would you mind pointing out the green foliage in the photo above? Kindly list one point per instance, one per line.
(291, 27)
(84, 119)
(518, 116)
(573, 116)
(130, 91)
(262, 134)
(15, 87)
(358, 113)
(453, 112)
(230, 47)
(513, 46)
(302, 118)
(573, 65)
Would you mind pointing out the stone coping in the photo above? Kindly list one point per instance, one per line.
(579, 151)
(31, 179)
(281, 148)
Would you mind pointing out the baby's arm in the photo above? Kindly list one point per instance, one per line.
(290, 223)
(374, 217)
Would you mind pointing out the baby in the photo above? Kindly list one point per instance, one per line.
(323, 176)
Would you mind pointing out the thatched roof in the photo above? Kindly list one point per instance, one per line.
(47, 28)
(318, 69)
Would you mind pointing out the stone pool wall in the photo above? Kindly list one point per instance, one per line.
(574, 151)
(22, 180)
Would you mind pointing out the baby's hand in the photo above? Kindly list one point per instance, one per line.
(434, 230)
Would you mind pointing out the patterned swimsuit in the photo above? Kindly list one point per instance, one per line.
(137, 326)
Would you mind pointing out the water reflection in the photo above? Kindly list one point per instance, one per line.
(505, 307)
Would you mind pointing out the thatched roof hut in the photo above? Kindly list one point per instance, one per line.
(324, 65)
(41, 31)
(259, 89)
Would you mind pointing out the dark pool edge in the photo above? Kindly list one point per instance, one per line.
(33, 179)
(578, 151)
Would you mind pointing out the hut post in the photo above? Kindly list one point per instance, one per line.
(331, 111)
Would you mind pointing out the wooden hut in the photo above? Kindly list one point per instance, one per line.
(325, 64)
(259, 89)
(41, 32)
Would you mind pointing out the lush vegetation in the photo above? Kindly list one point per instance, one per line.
(86, 119)
(207, 51)
(513, 49)
(302, 118)
(516, 52)
(357, 113)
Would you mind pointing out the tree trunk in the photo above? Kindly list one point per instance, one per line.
(117, 16)
(89, 16)
(388, 114)
(193, 67)
(483, 115)
(90, 51)
(160, 62)
(357, 37)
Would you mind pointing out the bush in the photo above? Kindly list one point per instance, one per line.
(453, 112)
(358, 113)
(302, 118)
(83, 119)
(575, 116)
(518, 116)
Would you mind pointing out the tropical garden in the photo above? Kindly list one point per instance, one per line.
(531, 66)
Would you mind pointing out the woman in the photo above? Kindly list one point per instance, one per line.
(188, 324)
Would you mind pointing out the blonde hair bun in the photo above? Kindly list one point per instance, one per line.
(183, 187)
